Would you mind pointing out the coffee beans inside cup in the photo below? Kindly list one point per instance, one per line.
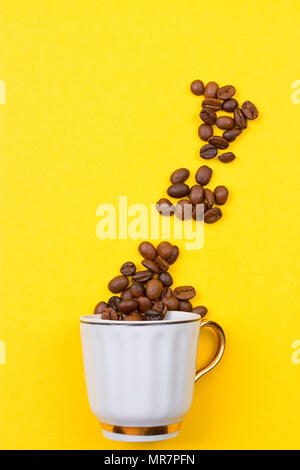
(216, 100)
(146, 294)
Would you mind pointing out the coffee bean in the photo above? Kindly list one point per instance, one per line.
(227, 157)
(165, 207)
(166, 292)
(152, 315)
(212, 103)
(221, 194)
(134, 317)
(118, 283)
(162, 264)
(100, 307)
(196, 194)
(128, 305)
(210, 90)
(208, 151)
(151, 265)
(209, 197)
(160, 307)
(225, 92)
(128, 269)
(197, 87)
(164, 249)
(137, 289)
(147, 250)
(166, 279)
(212, 215)
(239, 119)
(114, 302)
(208, 116)
(200, 310)
(231, 134)
(225, 122)
(249, 110)
(171, 303)
(218, 142)
(174, 255)
(142, 276)
(126, 294)
(154, 289)
(205, 131)
(180, 175)
(203, 175)
(178, 190)
(110, 314)
(230, 105)
(198, 211)
(144, 303)
(185, 306)
(184, 292)
(183, 210)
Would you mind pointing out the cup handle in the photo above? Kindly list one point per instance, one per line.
(219, 351)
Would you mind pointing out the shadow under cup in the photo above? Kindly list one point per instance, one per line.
(140, 375)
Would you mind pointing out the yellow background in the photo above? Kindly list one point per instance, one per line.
(98, 105)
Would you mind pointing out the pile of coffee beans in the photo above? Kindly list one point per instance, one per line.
(216, 100)
(147, 294)
(197, 194)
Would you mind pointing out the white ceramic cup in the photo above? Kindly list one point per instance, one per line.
(140, 375)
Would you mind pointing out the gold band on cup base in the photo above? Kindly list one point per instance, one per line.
(142, 431)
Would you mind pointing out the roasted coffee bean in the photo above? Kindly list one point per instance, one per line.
(114, 302)
(205, 132)
(208, 151)
(209, 197)
(183, 209)
(142, 276)
(171, 303)
(137, 289)
(208, 116)
(225, 122)
(128, 305)
(185, 306)
(126, 294)
(164, 249)
(239, 119)
(226, 157)
(203, 175)
(134, 317)
(128, 269)
(198, 211)
(118, 283)
(144, 303)
(110, 314)
(249, 110)
(200, 310)
(151, 265)
(212, 215)
(166, 279)
(178, 190)
(221, 195)
(147, 250)
(212, 103)
(230, 105)
(160, 307)
(218, 142)
(163, 264)
(166, 292)
(231, 134)
(196, 194)
(184, 292)
(174, 255)
(225, 92)
(210, 90)
(100, 307)
(154, 289)
(165, 207)
(180, 175)
(152, 315)
(197, 87)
